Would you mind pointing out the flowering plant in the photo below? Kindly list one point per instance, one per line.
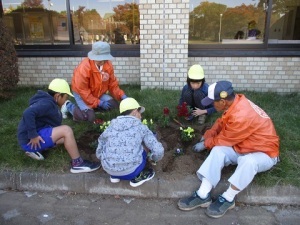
(104, 125)
(166, 117)
(183, 110)
(150, 124)
(187, 134)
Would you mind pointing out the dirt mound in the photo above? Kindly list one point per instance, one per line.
(179, 159)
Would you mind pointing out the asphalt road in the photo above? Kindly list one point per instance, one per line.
(22, 208)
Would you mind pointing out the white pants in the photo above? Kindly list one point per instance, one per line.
(248, 165)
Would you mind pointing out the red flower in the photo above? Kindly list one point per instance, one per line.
(182, 110)
(166, 111)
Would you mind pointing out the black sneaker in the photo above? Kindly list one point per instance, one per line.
(145, 175)
(218, 208)
(193, 202)
(85, 167)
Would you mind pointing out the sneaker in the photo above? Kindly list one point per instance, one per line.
(193, 202)
(114, 180)
(64, 110)
(85, 167)
(218, 208)
(145, 175)
(35, 155)
(201, 119)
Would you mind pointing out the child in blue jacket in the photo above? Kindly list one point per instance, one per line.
(40, 127)
(193, 92)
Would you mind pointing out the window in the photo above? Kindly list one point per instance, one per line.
(227, 22)
(113, 21)
(221, 22)
(46, 22)
(285, 22)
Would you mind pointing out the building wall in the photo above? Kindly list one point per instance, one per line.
(164, 43)
(260, 74)
(41, 70)
(164, 62)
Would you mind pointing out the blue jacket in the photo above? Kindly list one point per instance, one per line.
(203, 92)
(42, 112)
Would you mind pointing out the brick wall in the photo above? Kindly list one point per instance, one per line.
(164, 43)
(41, 70)
(262, 74)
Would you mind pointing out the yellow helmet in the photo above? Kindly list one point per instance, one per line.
(196, 72)
(129, 104)
(60, 86)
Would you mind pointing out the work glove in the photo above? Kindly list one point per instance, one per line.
(105, 105)
(123, 97)
(199, 147)
(202, 139)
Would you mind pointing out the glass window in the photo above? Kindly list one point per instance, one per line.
(45, 22)
(227, 21)
(285, 22)
(113, 21)
(37, 22)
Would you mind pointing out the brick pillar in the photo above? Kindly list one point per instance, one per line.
(163, 43)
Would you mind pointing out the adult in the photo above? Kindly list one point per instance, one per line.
(244, 136)
(92, 80)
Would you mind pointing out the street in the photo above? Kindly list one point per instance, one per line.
(22, 208)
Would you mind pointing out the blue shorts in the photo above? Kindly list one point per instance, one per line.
(46, 134)
(137, 170)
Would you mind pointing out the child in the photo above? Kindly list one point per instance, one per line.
(193, 92)
(40, 127)
(120, 146)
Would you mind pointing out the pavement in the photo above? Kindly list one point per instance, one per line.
(98, 182)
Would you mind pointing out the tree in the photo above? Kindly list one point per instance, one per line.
(129, 14)
(9, 74)
(33, 4)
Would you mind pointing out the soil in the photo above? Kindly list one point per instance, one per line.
(173, 165)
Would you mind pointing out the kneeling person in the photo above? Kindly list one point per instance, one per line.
(120, 146)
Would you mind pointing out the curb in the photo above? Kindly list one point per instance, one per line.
(93, 183)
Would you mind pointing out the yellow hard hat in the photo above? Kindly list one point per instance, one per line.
(129, 104)
(196, 72)
(60, 86)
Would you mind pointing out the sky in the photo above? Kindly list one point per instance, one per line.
(106, 6)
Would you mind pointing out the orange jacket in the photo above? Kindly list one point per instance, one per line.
(90, 84)
(245, 127)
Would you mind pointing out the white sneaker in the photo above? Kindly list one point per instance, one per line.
(35, 155)
(114, 180)
(64, 110)
(201, 119)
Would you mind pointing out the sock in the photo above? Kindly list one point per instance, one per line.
(204, 189)
(77, 162)
(230, 194)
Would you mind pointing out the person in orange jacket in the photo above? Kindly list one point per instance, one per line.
(244, 136)
(92, 79)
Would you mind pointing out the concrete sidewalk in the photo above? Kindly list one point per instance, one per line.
(99, 183)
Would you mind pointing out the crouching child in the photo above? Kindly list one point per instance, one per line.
(121, 146)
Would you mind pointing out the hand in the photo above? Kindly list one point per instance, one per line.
(199, 147)
(105, 105)
(199, 112)
(123, 97)
(202, 139)
(35, 142)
